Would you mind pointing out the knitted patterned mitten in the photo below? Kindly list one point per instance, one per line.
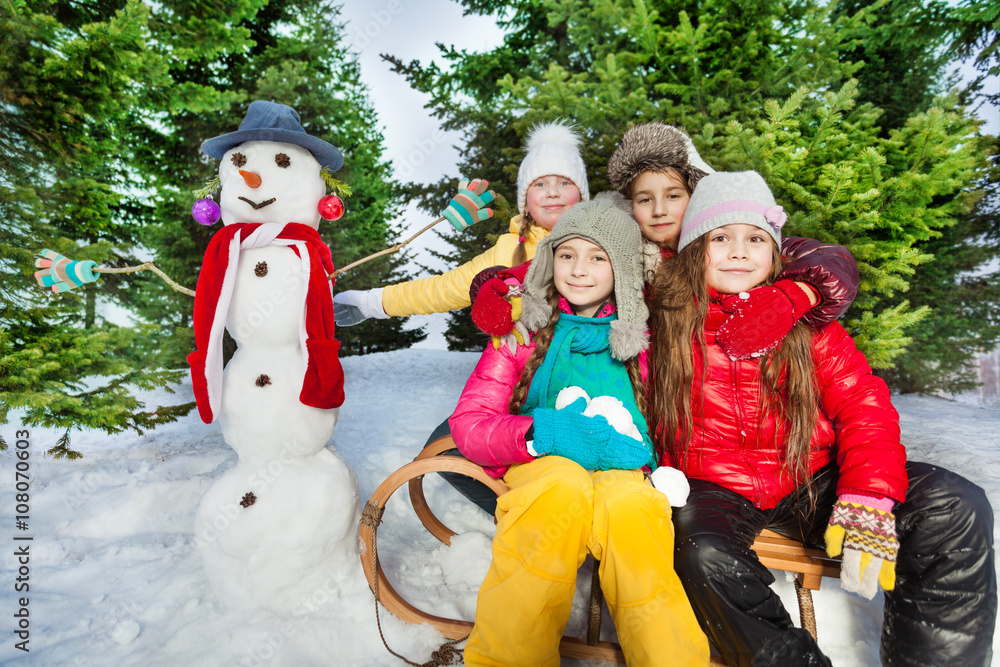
(761, 318)
(864, 528)
(467, 207)
(61, 273)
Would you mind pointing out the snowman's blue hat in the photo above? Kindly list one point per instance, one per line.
(270, 121)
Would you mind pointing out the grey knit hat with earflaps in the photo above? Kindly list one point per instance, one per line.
(655, 146)
(603, 223)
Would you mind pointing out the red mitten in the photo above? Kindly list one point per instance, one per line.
(491, 311)
(761, 318)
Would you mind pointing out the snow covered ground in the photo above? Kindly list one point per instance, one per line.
(115, 578)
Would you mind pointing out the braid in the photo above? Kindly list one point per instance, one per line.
(635, 375)
(520, 253)
(543, 337)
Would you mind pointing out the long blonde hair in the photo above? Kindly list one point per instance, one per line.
(542, 339)
(678, 305)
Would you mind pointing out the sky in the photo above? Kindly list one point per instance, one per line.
(409, 29)
(419, 149)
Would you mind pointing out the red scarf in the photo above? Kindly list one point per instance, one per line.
(323, 384)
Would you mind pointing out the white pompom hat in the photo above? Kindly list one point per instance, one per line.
(551, 149)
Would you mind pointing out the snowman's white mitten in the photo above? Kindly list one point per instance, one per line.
(355, 306)
(672, 483)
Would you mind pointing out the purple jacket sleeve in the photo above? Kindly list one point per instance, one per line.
(484, 431)
(828, 267)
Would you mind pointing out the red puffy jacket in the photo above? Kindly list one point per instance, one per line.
(735, 444)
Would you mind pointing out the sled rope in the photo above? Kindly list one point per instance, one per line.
(446, 654)
(807, 613)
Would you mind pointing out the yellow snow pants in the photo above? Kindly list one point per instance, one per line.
(553, 516)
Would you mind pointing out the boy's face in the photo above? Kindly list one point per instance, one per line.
(659, 200)
(582, 274)
(548, 197)
(737, 258)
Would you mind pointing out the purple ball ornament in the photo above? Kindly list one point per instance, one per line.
(206, 212)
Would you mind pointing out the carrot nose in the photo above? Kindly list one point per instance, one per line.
(252, 179)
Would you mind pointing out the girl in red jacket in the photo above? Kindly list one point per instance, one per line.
(802, 440)
(576, 484)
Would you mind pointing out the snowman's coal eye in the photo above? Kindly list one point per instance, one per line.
(282, 160)
(239, 159)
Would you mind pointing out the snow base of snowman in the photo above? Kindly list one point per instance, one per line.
(294, 536)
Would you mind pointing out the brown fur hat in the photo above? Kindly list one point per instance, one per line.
(655, 146)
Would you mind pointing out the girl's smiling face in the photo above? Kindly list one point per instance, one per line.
(737, 258)
(548, 197)
(659, 199)
(583, 275)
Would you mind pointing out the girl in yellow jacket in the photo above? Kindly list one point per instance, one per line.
(551, 179)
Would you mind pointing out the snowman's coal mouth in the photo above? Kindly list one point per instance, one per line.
(266, 202)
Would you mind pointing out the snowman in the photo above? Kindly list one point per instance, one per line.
(281, 524)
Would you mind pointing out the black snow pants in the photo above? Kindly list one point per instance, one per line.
(472, 489)
(944, 605)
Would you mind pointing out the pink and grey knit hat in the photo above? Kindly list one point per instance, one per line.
(730, 198)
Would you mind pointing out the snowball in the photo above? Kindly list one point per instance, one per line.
(672, 483)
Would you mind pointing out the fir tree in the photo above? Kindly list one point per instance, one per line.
(769, 87)
(906, 63)
(69, 75)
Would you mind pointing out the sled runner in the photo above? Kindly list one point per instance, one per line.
(775, 551)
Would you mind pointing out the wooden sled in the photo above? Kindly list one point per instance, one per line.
(775, 551)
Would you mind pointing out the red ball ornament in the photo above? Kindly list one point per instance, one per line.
(331, 207)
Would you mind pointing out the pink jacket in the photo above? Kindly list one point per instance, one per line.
(485, 432)
(483, 429)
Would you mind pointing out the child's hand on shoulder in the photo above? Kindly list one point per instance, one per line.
(761, 318)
